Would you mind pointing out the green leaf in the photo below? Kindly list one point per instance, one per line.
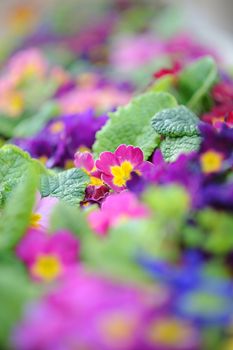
(67, 185)
(16, 215)
(115, 254)
(131, 124)
(15, 292)
(174, 122)
(217, 231)
(163, 84)
(172, 147)
(161, 201)
(7, 125)
(69, 218)
(32, 125)
(14, 165)
(195, 82)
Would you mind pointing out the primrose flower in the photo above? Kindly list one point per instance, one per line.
(115, 209)
(96, 190)
(100, 98)
(117, 167)
(221, 112)
(42, 211)
(216, 148)
(133, 52)
(89, 312)
(48, 256)
(27, 64)
(58, 141)
(11, 102)
(85, 161)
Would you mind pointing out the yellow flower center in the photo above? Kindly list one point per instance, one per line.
(43, 159)
(47, 267)
(95, 181)
(168, 332)
(69, 164)
(83, 149)
(117, 327)
(35, 220)
(121, 173)
(211, 161)
(13, 104)
(57, 127)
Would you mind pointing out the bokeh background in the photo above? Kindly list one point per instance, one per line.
(209, 20)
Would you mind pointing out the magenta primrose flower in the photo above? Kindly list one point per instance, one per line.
(90, 312)
(116, 209)
(117, 167)
(85, 161)
(48, 256)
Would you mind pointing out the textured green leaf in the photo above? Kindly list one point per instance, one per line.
(196, 80)
(67, 185)
(16, 215)
(131, 124)
(35, 123)
(172, 147)
(174, 122)
(14, 165)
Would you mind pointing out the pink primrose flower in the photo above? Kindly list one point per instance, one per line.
(48, 256)
(117, 167)
(116, 209)
(26, 64)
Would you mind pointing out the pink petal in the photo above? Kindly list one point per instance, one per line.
(108, 179)
(105, 161)
(158, 158)
(137, 156)
(31, 245)
(45, 209)
(84, 160)
(99, 222)
(63, 244)
(133, 154)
